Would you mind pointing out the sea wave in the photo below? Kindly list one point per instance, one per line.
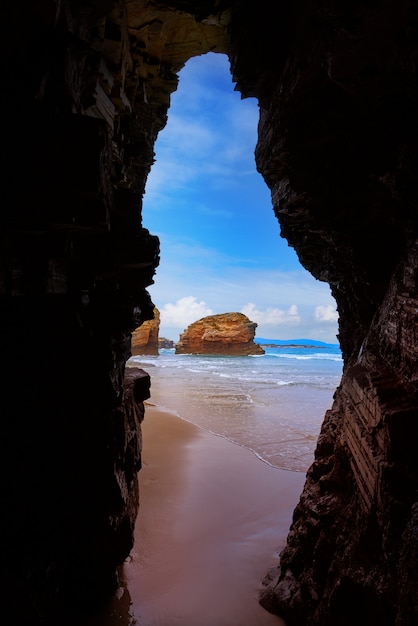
(324, 356)
(273, 404)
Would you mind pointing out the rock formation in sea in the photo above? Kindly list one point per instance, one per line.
(229, 334)
(145, 338)
(86, 89)
(163, 342)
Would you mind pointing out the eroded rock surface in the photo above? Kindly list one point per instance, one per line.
(230, 334)
(165, 343)
(337, 146)
(85, 91)
(145, 338)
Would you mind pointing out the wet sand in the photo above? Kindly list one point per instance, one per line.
(212, 520)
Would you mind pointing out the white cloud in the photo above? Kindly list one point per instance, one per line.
(184, 312)
(214, 211)
(187, 137)
(326, 313)
(271, 316)
(284, 305)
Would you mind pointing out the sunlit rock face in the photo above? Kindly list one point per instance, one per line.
(230, 334)
(85, 90)
(145, 338)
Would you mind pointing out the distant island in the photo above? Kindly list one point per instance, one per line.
(294, 343)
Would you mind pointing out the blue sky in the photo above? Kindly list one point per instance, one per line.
(221, 249)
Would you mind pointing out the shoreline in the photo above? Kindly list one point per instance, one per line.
(164, 409)
(213, 517)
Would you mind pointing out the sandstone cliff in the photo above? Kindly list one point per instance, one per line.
(145, 337)
(227, 333)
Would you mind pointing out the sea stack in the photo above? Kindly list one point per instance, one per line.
(230, 334)
(145, 337)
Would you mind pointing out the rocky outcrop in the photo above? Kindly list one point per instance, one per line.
(165, 343)
(145, 337)
(360, 490)
(85, 91)
(230, 334)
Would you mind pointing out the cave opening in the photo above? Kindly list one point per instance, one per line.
(85, 93)
(211, 209)
(221, 251)
(201, 197)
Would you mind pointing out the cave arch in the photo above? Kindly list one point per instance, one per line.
(220, 239)
(85, 91)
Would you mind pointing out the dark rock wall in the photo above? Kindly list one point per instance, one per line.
(85, 90)
(338, 148)
(74, 265)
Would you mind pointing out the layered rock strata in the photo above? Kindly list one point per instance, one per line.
(230, 334)
(145, 338)
(338, 145)
(85, 91)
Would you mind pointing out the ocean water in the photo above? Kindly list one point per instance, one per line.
(272, 404)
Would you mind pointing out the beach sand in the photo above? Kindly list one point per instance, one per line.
(212, 519)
